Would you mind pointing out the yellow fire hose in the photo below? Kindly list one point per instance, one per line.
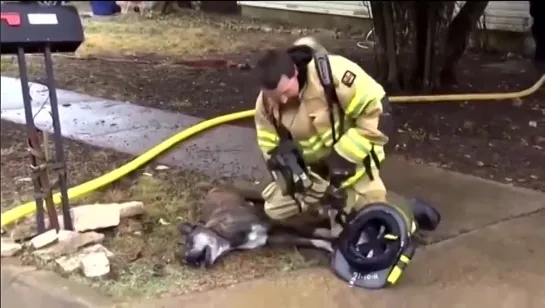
(21, 211)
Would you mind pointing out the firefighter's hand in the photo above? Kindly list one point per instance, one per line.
(315, 188)
(340, 169)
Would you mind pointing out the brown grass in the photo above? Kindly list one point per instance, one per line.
(147, 262)
(171, 36)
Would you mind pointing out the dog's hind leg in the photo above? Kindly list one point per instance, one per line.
(315, 231)
(294, 240)
(248, 190)
(323, 233)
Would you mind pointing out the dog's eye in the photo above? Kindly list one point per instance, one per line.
(188, 240)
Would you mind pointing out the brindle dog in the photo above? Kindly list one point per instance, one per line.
(232, 218)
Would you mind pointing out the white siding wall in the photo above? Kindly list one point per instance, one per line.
(499, 15)
(342, 8)
(508, 16)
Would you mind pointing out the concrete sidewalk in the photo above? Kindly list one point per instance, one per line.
(134, 129)
(497, 256)
(24, 286)
(500, 266)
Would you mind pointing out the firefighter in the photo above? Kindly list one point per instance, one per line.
(345, 139)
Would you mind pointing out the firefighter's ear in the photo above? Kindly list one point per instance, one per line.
(185, 228)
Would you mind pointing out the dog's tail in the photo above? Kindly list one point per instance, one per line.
(247, 190)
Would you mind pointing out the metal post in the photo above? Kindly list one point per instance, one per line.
(57, 137)
(32, 137)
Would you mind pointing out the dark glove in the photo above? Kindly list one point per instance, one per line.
(340, 169)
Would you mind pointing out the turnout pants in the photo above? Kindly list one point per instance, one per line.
(286, 210)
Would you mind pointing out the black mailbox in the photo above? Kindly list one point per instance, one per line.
(33, 27)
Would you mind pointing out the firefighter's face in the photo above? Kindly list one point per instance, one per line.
(287, 89)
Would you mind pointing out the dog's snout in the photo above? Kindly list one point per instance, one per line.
(203, 247)
(192, 258)
(198, 258)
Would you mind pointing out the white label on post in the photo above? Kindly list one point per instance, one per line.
(43, 19)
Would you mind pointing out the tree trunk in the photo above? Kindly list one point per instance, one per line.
(416, 42)
(385, 42)
(458, 36)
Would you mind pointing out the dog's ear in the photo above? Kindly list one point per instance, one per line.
(186, 227)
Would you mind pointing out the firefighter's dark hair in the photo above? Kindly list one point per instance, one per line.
(272, 66)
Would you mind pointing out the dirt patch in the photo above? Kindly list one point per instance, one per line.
(146, 250)
(83, 163)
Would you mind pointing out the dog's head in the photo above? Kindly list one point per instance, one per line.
(203, 247)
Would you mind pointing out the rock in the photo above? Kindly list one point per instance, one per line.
(28, 230)
(10, 248)
(83, 239)
(296, 31)
(130, 209)
(95, 264)
(98, 248)
(44, 239)
(538, 140)
(69, 245)
(99, 216)
(95, 216)
(69, 264)
(64, 235)
(517, 102)
(468, 125)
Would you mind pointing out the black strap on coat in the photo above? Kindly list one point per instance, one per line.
(323, 68)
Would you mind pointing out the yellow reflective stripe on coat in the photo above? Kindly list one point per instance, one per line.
(311, 146)
(360, 172)
(315, 152)
(358, 103)
(327, 136)
(267, 140)
(312, 149)
(310, 142)
(317, 143)
(353, 146)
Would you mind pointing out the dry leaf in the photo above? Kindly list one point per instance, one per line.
(517, 102)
